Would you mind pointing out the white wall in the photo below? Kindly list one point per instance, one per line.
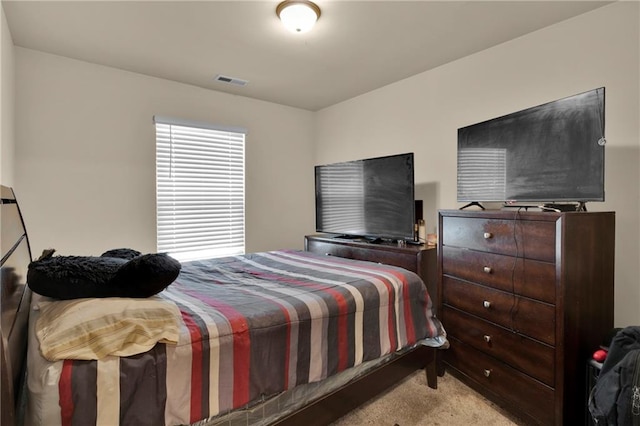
(85, 156)
(422, 114)
(85, 141)
(6, 103)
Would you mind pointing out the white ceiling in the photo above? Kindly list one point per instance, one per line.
(356, 46)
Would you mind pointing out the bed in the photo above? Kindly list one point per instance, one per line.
(280, 337)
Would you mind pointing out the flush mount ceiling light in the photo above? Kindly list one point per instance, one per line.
(298, 16)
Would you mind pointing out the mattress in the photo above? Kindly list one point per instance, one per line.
(252, 327)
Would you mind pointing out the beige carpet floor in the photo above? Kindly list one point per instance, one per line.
(413, 403)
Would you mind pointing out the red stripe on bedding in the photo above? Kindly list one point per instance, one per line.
(408, 319)
(393, 340)
(66, 396)
(393, 337)
(196, 366)
(345, 264)
(343, 341)
(241, 348)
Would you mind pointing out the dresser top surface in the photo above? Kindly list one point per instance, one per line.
(519, 214)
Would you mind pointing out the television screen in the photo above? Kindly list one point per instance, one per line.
(373, 197)
(548, 153)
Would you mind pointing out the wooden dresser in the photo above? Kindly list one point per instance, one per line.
(420, 259)
(526, 299)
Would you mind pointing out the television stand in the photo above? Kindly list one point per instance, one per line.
(471, 204)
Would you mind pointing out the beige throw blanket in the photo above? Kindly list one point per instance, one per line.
(91, 329)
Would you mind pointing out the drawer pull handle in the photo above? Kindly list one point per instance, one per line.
(486, 304)
(487, 338)
(487, 269)
(487, 373)
(487, 235)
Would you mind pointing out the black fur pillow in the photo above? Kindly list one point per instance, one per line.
(122, 253)
(116, 273)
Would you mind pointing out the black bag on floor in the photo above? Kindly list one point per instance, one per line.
(615, 399)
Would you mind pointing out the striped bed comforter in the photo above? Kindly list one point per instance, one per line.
(254, 326)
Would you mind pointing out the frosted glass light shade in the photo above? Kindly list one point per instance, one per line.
(298, 16)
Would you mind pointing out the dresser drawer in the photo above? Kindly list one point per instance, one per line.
(526, 316)
(531, 357)
(388, 257)
(523, 238)
(527, 277)
(517, 389)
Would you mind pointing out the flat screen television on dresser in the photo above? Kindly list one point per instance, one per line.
(371, 198)
(549, 153)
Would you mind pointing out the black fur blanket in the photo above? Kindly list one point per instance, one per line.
(115, 273)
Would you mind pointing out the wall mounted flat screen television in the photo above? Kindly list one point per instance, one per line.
(548, 153)
(371, 198)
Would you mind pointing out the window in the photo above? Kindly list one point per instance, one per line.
(199, 189)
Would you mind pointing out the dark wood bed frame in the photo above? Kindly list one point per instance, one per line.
(15, 299)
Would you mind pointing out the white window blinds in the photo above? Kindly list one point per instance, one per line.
(199, 189)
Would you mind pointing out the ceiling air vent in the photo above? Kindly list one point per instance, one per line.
(231, 80)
